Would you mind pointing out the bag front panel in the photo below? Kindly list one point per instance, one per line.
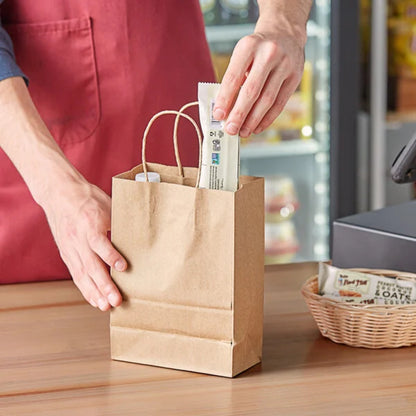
(193, 293)
(178, 241)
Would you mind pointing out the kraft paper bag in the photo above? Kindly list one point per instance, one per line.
(193, 291)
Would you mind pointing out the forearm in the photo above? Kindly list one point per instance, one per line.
(28, 143)
(288, 15)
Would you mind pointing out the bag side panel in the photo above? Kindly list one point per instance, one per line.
(249, 275)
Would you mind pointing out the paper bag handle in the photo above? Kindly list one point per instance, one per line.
(146, 132)
(175, 136)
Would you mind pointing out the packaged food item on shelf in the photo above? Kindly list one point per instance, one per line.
(402, 55)
(265, 137)
(403, 9)
(210, 10)
(281, 243)
(298, 111)
(220, 62)
(402, 94)
(295, 121)
(280, 198)
(234, 11)
(402, 47)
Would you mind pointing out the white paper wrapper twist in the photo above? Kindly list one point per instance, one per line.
(220, 152)
(364, 288)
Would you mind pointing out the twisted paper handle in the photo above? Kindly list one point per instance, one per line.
(178, 115)
(175, 137)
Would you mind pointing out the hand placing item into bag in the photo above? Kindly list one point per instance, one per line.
(193, 291)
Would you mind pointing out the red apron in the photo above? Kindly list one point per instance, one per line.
(98, 70)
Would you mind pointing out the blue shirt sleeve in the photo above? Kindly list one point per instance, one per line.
(8, 65)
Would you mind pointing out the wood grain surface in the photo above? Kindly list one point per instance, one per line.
(55, 360)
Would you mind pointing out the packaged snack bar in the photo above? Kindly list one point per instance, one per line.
(355, 300)
(343, 284)
(220, 167)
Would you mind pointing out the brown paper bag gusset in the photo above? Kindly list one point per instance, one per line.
(193, 291)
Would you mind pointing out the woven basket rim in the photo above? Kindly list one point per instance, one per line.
(307, 293)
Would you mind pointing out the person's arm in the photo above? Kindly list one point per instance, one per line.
(265, 68)
(77, 211)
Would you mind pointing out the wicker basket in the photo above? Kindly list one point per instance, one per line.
(368, 326)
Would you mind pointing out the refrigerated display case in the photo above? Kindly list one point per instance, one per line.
(387, 119)
(294, 153)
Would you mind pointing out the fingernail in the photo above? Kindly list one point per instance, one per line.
(113, 299)
(258, 130)
(244, 132)
(102, 304)
(232, 128)
(120, 265)
(92, 303)
(218, 114)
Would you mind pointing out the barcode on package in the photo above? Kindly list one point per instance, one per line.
(216, 124)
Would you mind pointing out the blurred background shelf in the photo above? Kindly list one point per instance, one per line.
(401, 117)
(234, 32)
(221, 33)
(282, 149)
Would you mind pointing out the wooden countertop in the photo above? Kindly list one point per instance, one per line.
(55, 360)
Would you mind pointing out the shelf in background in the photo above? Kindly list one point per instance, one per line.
(289, 148)
(223, 33)
(401, 117)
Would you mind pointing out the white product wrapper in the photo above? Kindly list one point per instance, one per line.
(151, 176)
(364, 288)
(364, 300)
(220, 152)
